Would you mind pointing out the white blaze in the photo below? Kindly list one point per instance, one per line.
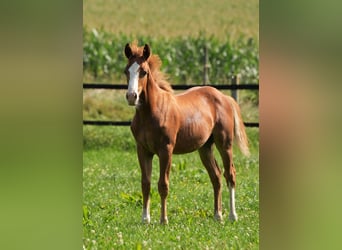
(133, 79)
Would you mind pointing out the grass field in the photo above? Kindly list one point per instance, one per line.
(113, 201)
(159, 18)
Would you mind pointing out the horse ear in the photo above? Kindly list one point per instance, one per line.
(128, 51)
(146, 52)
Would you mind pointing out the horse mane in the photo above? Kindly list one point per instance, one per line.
(154, 63)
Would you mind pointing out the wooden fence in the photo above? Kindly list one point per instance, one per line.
(234, 87)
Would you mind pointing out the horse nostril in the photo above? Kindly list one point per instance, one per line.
(131, 96)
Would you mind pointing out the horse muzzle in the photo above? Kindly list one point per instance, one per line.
(132, 98)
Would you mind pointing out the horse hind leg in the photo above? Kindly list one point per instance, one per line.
(230, 176)
(208, 160)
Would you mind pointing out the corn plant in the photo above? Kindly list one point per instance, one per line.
(182, 57)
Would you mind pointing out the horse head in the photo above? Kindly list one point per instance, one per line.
(136, 71)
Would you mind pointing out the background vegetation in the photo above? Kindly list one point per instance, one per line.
(177, 31)
(176, 18)
(182, 58)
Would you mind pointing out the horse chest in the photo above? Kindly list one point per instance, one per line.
(147, 139)
(147, 135)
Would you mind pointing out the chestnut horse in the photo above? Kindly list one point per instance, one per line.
(166, 124)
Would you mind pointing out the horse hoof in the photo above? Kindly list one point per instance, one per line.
(218, 217)
(164, 221)
(146, 220)
(233, 217)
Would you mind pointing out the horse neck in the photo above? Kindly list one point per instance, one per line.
(152, 93)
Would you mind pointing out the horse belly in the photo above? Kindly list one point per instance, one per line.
(189, 141)
(195, 129)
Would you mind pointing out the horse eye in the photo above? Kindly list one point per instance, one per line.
(142, 73)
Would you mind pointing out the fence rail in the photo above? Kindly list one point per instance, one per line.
(175, 87)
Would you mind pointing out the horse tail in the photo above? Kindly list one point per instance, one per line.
(239, 130)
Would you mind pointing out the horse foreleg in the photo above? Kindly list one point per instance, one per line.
(163, 184)
(145, 161)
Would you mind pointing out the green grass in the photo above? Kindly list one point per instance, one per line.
(177, 18)
(112, 198)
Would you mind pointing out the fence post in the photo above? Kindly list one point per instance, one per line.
(206, 66)
(235, 82)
